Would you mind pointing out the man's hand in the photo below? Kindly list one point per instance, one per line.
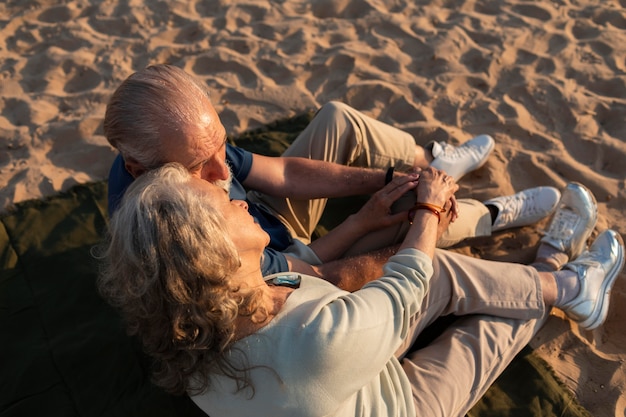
(376, 213)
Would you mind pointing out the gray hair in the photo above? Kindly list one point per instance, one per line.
(167, 265)
(147, 106)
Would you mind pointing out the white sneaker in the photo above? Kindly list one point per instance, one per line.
(573, 220)
(457, 161)
(524, 208)
(597, 270)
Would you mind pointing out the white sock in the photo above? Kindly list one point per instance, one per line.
(567, 286)
(549, 259)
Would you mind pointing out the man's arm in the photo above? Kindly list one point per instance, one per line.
(349, 274)
(352, 273)
(302, 178)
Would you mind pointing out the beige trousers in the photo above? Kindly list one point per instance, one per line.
(341, 134)
(500, 308)
(500, 304)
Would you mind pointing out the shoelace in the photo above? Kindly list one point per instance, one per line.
(563, 225)
(519, 207)
(457, 152)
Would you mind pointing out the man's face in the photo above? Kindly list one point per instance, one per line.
(200, 148)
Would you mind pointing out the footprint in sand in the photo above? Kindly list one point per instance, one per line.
(56, 14)
(222, 64)
(532, 11)
(80, 77)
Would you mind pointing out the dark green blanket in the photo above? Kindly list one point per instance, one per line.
(63, 351)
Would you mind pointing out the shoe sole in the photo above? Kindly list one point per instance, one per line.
(599, 317)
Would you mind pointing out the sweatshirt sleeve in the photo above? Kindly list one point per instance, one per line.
(330, 351)
(348, 339)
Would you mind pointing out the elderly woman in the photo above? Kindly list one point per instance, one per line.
(183, 266)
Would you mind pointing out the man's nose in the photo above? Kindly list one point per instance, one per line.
(215, 172)
(242, 203)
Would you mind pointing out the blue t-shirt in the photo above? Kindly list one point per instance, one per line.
(240, 162)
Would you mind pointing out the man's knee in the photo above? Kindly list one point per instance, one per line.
(334, 109)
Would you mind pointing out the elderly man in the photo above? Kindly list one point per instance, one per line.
(161, 114)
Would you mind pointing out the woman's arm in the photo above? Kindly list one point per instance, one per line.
(352, 273)
(435, 198)
(362, 330)
(433, 211)
(374, 215)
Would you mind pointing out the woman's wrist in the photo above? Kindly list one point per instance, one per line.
(433, 208)
(422, 234)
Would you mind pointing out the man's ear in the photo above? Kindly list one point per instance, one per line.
(133, 167)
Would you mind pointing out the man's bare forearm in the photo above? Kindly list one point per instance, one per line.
(352, 273)
(306, 179)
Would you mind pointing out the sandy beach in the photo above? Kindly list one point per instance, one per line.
(546, 79)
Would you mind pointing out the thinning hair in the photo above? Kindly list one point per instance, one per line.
(149, 105)
(167, 266)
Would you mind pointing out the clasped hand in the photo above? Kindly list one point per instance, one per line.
(431, 185)
(438, 188)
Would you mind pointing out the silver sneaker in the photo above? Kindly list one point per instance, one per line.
(573, 221)
(597, 270)
(457, 161)
(524, 208)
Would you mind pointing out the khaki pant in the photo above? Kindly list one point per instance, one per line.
(500, 304)
(341, 134)
(500, 307)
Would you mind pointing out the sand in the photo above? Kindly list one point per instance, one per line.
(547, 79)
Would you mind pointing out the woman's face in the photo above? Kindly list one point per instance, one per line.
(241, 227)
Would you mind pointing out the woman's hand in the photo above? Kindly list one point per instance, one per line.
(376, 213)
(437, 188)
